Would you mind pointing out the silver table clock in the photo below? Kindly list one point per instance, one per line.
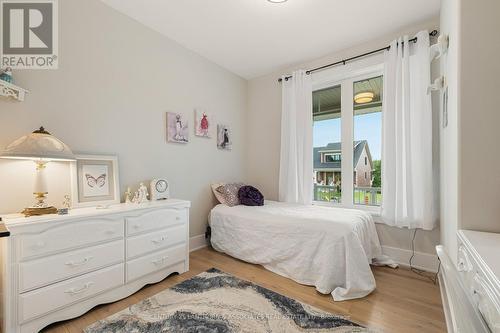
(160, 189)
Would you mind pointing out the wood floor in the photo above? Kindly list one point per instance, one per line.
(402, 302)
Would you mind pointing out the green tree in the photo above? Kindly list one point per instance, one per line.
(377, 173)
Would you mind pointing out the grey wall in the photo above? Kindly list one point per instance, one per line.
(263, 135)
(479, 73)
(116, 79)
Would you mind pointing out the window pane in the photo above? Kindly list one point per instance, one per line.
(368, 141)
(327, 147)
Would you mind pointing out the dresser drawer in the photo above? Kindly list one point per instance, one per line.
(157, 219)
(155, 262)
(69, 236)
(155, 241)
(44, 300)
(487, 302)
(34, 274)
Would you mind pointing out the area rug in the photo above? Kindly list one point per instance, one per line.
(214, 301)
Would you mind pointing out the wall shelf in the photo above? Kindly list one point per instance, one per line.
(9, 90)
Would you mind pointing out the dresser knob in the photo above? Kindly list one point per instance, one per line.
(159, 240)
(177, 218)
(74, 291)
(80, 263)
(160, 260)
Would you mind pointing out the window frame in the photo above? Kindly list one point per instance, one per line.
(346, 79)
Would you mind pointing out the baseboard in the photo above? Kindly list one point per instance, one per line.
(197, 242)
(424, 261)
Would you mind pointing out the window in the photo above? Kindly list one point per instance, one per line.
(327, 148)
(367, 126)
(348, 132)
(331, 158)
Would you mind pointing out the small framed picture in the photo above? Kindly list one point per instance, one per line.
(177, 128)
(203, 123)
(94, 181)
(224, 137)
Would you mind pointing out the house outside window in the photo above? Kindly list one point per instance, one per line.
(338, 115)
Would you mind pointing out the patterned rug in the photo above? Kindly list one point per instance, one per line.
(217, 302)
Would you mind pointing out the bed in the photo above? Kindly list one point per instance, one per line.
(329, 248)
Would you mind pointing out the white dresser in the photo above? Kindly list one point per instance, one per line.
(59, 267)
(471, 291)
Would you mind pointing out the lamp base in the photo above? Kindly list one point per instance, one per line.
(36, 211)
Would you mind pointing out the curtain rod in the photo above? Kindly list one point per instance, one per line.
(344, 61)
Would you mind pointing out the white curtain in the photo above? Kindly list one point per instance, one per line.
(296, 158)
(407, 174)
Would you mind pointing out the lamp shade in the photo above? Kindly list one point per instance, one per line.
(39, 145)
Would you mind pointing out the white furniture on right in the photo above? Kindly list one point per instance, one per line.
(471, 291)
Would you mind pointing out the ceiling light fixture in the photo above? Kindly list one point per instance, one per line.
(277, 1)
(364, 97)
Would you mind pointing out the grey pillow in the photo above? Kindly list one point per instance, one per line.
(229, 193)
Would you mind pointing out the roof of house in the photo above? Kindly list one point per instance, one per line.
(336, 147)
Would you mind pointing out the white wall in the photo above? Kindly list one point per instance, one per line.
(263, 134)
(470, 176)
(449, 216)
(116, 79)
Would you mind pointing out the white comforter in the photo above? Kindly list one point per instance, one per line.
(329, 248)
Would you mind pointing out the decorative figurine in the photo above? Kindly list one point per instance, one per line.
(128, 194)
(67, 201)
(66, 206)
(143, 193)
(6, 75)
(135, 198)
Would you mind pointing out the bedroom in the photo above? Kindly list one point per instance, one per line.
(183, 96)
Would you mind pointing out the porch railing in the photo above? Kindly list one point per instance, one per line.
(327, 193)
(369, 196)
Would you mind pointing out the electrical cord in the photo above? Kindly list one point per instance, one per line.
(432, 277)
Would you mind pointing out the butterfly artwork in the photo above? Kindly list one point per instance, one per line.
(95, 182)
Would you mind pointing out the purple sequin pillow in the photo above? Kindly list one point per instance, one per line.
(250, 196)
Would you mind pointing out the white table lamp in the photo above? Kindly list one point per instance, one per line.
(41, 147)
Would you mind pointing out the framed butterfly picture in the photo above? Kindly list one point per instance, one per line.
(94, 181)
